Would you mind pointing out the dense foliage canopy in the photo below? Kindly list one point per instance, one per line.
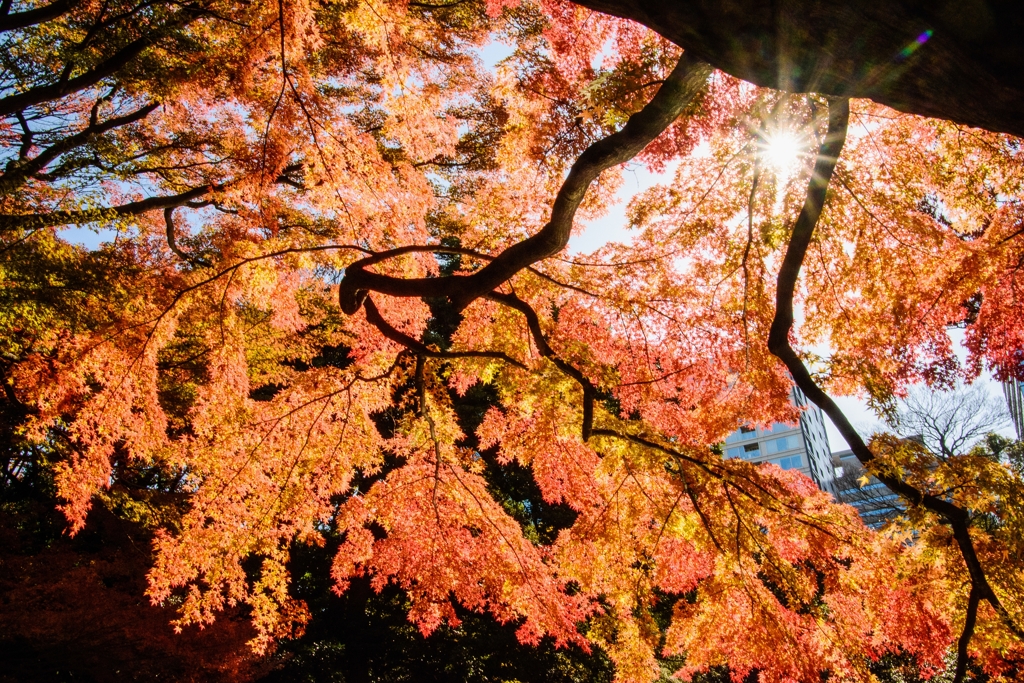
(325, 224)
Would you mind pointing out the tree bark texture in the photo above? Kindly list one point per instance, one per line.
(961, 60)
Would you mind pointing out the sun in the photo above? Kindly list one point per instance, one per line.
(781, 150)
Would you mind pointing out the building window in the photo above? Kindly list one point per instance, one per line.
(750, 450)
(793, 462)
(742, 434)
(782, 444)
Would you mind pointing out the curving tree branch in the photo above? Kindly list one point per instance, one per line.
(173, 243)
(37, 221)
(545, 350)
(681, 87)
(37, 15)
(66, 85)
(779, 345)
(374, 317)
(965, 636)
(20, 170)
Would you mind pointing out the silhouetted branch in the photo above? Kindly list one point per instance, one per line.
(173, 244)
(778, 344)
(18, 171)
(965, 636)
(67, 85)
(545, 350)
(374, 317)
(37, 15)
(35, 221)
(680, 88)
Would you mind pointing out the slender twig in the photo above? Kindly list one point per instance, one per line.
(173, 244)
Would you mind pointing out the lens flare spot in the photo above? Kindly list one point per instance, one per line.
(782, 151)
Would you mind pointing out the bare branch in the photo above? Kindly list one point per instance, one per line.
(950, 422)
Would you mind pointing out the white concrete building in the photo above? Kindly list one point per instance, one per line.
(803, 446)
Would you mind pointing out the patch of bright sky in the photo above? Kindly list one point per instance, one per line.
(494, 52)
(90, 238)
(866, 422)
(613, 226)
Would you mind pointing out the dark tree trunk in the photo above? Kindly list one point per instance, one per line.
(961, 60)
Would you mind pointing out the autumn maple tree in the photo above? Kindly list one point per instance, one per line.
(324, 224)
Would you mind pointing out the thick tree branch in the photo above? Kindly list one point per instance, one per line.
(965, 636)
(443, 249)
(66, 85)
(27, 135)
(13, 22)
(962, 534)
(681, 87)
(778, 336)
(789, 272)
(36, 221)
(173, 243)
(950, 60)
(778, 344)
(19, 170)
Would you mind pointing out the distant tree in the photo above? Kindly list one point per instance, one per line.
(950, 422)
(947, 422)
